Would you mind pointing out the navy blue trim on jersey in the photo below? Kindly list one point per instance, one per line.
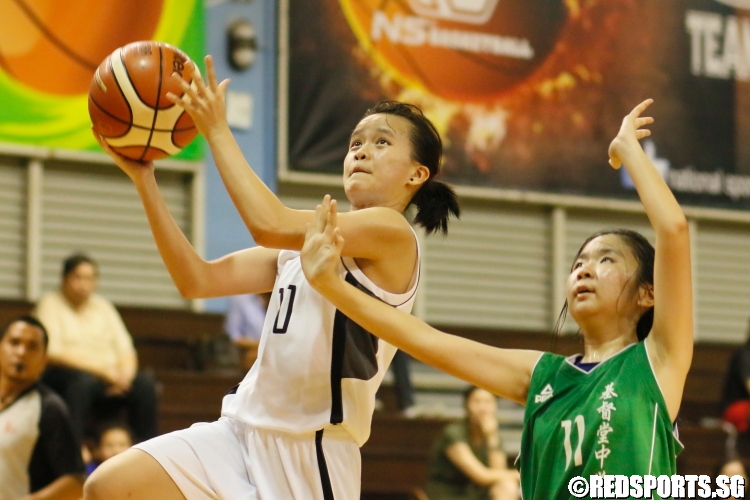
(587, 367)
(233, 390)
(337, 366)
(325, 479)
(353, 353)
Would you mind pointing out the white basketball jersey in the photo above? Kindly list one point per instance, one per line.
(315, 366)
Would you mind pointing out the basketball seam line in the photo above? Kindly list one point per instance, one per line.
(134, 87)
(119, 89)
(133, 125)
(156, 107)
(149, 148)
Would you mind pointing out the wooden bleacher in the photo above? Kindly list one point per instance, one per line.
(394, 459)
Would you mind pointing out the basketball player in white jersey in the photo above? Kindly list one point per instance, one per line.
(292, 429)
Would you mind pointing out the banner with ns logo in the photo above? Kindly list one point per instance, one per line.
(527, 94)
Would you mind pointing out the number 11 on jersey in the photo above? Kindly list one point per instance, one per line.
(567, 425)
(292, 290)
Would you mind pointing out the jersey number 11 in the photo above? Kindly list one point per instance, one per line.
(292, 289)
(567, 425)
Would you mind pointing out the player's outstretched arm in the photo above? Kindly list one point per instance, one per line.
(248, 271)
(670, 343)
(505, 372)
(371, 233)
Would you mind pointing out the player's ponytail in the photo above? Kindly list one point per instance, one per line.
(435, 200)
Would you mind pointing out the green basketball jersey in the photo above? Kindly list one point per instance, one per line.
(611, 420)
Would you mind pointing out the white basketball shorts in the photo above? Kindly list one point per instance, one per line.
(229, 460)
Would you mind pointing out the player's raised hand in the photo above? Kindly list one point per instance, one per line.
(204, 103)
(321, 253)
(132, 168)
(629, 134)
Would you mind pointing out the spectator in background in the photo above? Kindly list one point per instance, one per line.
(733, 467)
(244, 323)
(112, 439)
(91, 354)
(402, 384)
(736, 394)
(468, 462)
(41, 458)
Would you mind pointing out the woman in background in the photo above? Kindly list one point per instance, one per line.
(467, 462)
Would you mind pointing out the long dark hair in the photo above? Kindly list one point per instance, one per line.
(435, 200)
(644, 254)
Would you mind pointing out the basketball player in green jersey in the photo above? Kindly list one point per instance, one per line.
(609, 411)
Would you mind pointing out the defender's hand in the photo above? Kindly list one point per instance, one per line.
(321, 254)
(629, 134)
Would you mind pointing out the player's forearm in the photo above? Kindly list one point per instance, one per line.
(182, 261)
(68, 487)
(661, 207)
(262, 212)
(399, 329)
(504, 372)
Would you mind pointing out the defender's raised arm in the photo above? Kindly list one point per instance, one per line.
(671, 340)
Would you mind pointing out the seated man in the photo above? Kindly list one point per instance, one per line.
(40, 456)
(92, 359)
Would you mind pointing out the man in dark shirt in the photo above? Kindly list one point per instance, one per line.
(735, 399)
(41, 459)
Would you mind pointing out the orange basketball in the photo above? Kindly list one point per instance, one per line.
(55, 46)
(128, 101)
(465, 50)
